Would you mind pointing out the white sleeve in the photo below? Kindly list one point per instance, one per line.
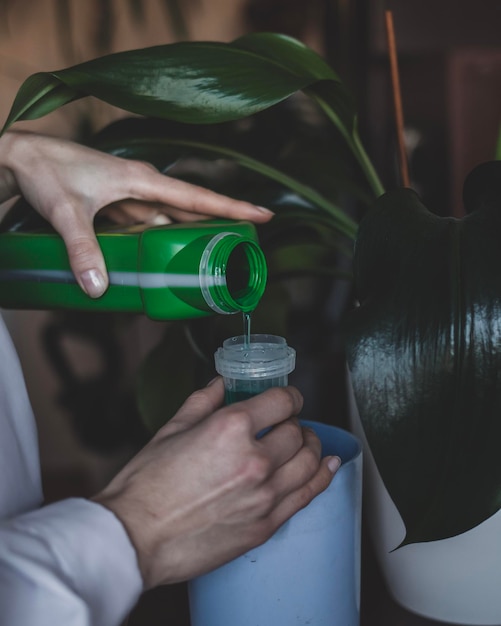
(67, 564)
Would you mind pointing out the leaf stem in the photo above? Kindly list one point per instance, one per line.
(367, 166)
(341, 221)
(355, 144)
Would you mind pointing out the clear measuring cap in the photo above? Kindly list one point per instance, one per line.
(264, 356)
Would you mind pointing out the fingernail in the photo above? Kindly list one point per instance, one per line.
(211, 382)
(160, 220)
(93, 283)
(264, 210)
(333, 464)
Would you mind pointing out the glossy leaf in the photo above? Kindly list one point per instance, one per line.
(424, 351)
(200, 83)
(39, 95)
(196, 82)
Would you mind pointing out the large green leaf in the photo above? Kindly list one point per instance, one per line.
(424, 351)
(196, 82)
(200, 83)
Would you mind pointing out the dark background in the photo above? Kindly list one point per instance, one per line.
(450, 69)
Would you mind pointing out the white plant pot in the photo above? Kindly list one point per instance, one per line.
(455, 580)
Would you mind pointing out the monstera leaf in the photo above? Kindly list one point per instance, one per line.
(424, 351)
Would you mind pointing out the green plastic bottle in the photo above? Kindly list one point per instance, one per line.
(179, 271)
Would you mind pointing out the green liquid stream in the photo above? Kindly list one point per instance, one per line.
(247, 330)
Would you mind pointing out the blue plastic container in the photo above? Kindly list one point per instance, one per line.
(308, 573)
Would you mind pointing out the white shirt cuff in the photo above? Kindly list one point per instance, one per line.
(75, 548)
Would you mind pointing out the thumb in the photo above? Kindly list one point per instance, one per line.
(86, 259)
(197, 407)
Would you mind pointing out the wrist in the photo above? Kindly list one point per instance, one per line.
(8, 184)
(14, 145)
(112, 504)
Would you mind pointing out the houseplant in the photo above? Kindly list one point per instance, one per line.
(422, 392)
(316, 228)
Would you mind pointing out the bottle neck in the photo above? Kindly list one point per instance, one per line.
(232, 273)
